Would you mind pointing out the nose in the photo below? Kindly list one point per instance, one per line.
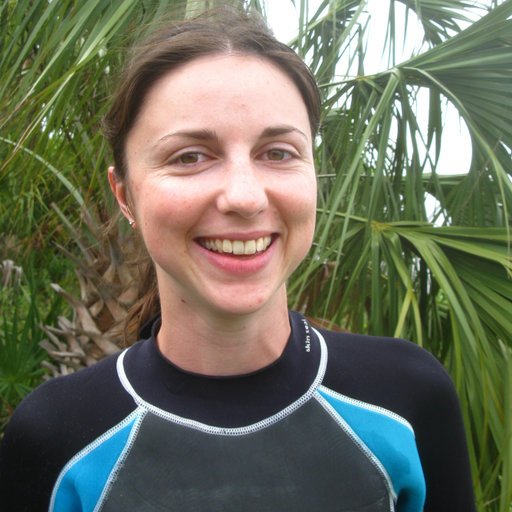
(243, 191)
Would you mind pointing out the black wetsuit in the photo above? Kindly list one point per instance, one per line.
(340, 422)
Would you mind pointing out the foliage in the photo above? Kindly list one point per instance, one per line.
(383, 262)
(20, 354)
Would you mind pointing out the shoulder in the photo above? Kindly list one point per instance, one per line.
(388, 355)
(405, 379)
(70, 396)
(52, 424)
(66, 411)
(392, 373)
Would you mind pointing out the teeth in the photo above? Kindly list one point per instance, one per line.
(227, 246)
(238, 247)
(250, 247)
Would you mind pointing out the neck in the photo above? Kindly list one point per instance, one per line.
(223, 345)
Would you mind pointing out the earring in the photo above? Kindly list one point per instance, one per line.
(132, 223)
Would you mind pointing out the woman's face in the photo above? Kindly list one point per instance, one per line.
(221, 184)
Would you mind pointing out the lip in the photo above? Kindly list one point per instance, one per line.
(237, 247)
(238, 265)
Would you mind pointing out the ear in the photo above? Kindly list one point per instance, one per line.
(120, 192)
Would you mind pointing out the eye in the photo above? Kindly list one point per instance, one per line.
(277, 155)
(189, 158)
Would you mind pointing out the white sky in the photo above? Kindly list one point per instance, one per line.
(455, 155)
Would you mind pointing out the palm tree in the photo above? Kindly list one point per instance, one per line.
(383, 261)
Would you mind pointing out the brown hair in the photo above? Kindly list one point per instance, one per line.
(221, 31)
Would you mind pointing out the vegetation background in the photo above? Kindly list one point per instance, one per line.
(400, 249)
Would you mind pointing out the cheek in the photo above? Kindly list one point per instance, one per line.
(300, 203)
(164, 211)
(303, 200)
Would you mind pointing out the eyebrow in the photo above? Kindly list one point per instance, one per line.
(273, 131)
(209, 135)
(189, 134)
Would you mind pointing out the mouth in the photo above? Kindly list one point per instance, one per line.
(236, 247)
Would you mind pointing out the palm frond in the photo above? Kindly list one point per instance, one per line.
(379, 265)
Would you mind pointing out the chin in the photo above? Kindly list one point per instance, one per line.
(247, 303)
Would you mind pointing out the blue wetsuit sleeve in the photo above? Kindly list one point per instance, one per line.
(403, 378)
(50, 426)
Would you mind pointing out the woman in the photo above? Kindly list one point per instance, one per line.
(230, 401)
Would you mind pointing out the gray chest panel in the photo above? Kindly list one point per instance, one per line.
(304, 462)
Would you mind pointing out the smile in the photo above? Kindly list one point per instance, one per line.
(237, 247)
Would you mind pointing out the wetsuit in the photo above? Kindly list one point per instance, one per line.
(339, 422)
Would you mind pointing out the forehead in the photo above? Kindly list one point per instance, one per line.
(216, 66)
(211, 85)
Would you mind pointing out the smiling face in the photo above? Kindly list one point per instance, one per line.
(221, 183)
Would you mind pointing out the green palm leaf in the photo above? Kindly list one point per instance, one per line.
(378, 264)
